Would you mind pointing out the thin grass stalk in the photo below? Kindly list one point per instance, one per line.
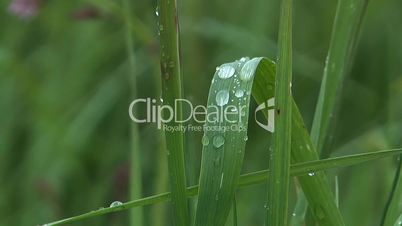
(393, 207)
(234, 208)
(279, 164)
(136, 215)
(346, 29)
(171, 90)
(248, 179)
(347, 25)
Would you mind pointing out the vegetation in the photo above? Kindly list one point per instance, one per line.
(70, 153)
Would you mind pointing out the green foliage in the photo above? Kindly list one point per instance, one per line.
(279, 161)
(299, 169)
(171, 91)
(66, 145)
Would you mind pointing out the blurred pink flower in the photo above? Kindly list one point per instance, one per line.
(24, 9)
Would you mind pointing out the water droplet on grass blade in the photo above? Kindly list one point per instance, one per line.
(226, 71)
(239, 93)
(205, 140)
(247, 71)
(311, 174)
(218, 141)
(116, 203)
(244, 59)
(222, 98)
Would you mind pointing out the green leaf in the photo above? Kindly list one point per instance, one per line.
(398, 222)
(394, 206)
(346, 29)
(279, 161)
(347, 24)
(223, 144)
(136, 215)
(249, 179)
(316, 188)
(171, 91)
(221, 166)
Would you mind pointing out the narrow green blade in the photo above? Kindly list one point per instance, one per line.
(347, 25)
(394, 205)
(171, 91)
(249, 179)
(398, 222)
(224, 141)
(315, 186)
(279, 161)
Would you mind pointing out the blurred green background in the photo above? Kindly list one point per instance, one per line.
(65, 92)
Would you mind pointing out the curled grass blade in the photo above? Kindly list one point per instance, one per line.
(248, 179)
(316, 187)
(223, 144)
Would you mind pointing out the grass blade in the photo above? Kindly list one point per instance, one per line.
(394, 205)
(316, 187)
(279, 163)
(223, 149)
(136, 215)
(347, 25)
(398, 222)
(297, 218)
(234, 209)
(258, 177)
(171, 90)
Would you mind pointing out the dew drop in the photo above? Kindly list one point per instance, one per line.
(222, 98)
(116, 203)
(311, 174)
(205, 140)
(157, 11)
(245, 138)
(218, 141)
(244, 59)
(226, 71)
(247, 71)
(239, 93)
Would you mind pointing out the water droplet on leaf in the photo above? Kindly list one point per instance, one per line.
(218, 141)
(116, 203)
(239, 93)
(205, 140)
(226, 71)
(247, 71)
(222, 98)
